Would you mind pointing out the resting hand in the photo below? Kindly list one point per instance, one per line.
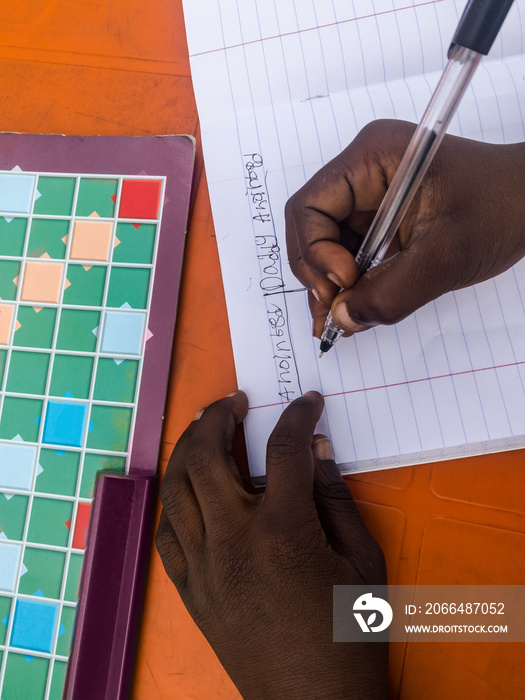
(256, 571)
(465, 225)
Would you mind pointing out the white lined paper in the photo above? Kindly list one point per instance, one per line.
(291, 83)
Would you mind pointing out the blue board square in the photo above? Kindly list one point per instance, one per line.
(16, 193)
(65, 423)
(17, 463)
(123, 333)
(34, 625)
(9, 561)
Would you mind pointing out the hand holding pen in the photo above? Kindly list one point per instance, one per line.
(454, 211)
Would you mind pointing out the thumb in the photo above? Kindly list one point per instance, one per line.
(394, 289)
(340, 517)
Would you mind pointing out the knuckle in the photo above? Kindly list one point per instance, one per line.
(178, 508)
(173, 562)
(295, 265)
(290, 555)
(374, 132)
(380, 130)
(168, 488)
(292, 204)
(199, 460)
(161, 541)
(285, 443)
(376, 307)
(338, 494)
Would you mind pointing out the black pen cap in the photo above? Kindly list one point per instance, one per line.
(480, 23)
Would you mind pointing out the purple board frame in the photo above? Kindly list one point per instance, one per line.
(101, 662)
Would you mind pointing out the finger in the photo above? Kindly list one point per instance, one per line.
(337, 511)
(313, 234)
(289, 457)
(345, 193)
(209, 465)
(171, 552)
(180, 505)
(386, 294)
(322, 288)
(319, 312)
(335, 504)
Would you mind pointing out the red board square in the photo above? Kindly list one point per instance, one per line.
(140, 199)
(81, 525)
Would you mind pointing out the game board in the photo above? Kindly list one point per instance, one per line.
(91, 238)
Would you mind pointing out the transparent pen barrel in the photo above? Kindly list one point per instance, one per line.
(421, 149)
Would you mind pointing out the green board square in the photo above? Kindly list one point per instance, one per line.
(25, 680)
(3, 357)
(116, 381)
(57, 682)
(27, 372)
(20, 417)
(86, 287)
(94, 196)
(45, 238)
(128, 285)
(5, 609)
(36, 329)
(136, 243)
(9, 271)
(71, 375)
(73, 577)
(58, 472)
(68, 623)
(13, 511)
(45, 569)
(47, 524)
(76, 330)
(12, 236)
(111, 428)
(56, 195)
(97, 463)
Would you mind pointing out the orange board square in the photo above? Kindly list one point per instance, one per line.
(7, 312)
(42, 281)
(91, 240)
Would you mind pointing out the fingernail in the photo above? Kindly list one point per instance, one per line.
(334, 279)
(311, 393)
(233, 393)
(345, 321)
(198, 414)
(322, 448)
(316, 295)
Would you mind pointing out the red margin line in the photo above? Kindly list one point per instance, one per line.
(410, 381)
(313, 29)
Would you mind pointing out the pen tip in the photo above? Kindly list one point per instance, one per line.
(321, 353)
(325, 346)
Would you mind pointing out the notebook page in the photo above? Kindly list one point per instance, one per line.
(281, 88)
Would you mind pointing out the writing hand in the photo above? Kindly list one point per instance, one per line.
(465, 225)
(256, 571)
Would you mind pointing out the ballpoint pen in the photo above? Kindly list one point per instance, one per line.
(473, 38)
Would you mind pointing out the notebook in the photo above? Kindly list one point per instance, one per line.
(281, 88)
(92, 233)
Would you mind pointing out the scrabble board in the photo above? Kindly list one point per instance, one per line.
(78, 259)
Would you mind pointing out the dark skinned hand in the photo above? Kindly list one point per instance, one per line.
(465, 225)
(256, 571)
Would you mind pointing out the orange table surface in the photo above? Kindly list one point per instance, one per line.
(121, 67)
